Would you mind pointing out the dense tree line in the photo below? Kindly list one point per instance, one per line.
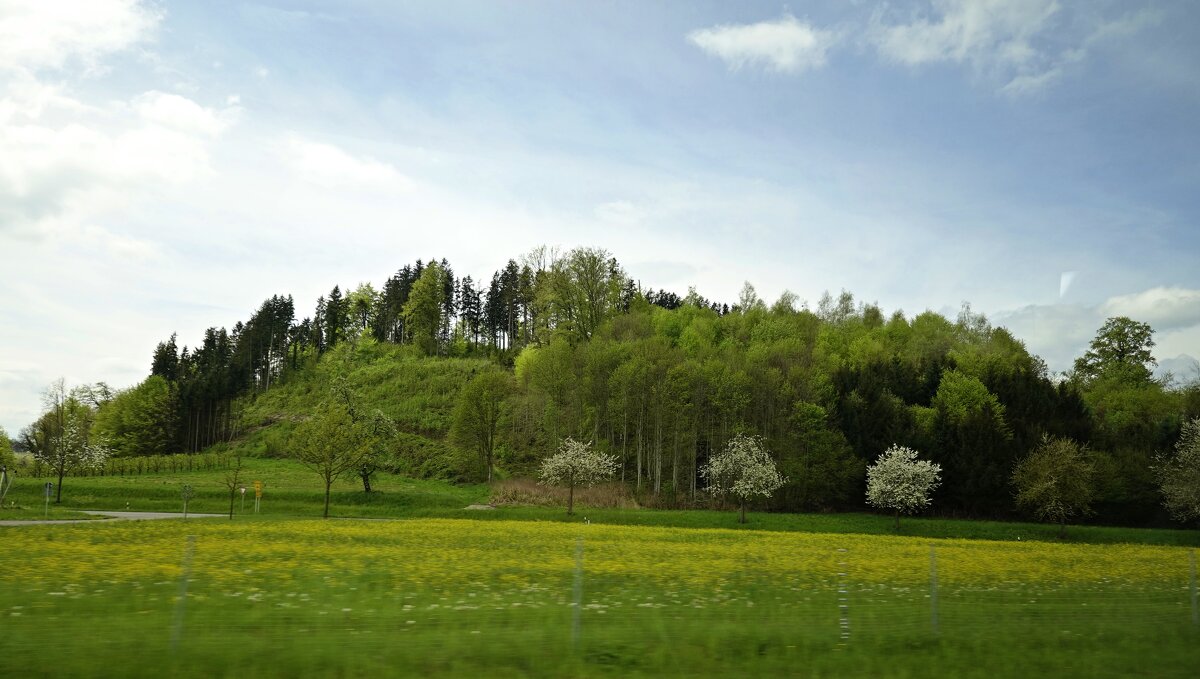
(661, 381)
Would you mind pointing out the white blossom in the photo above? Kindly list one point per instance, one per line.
(1179, 474)
(898, 481)
(744, 470)
(576, 464)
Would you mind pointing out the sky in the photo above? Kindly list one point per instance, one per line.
(167, 166)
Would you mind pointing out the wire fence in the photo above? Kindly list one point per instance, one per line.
(740, 607)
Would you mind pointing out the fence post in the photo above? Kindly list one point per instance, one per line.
(577, 594)
(177, 626)
(843, 600)
(1195, 604)
(933, 589)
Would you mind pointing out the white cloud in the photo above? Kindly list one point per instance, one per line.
(64, 164)
(1061, 332)
(1028, 44)
(981, 31)
(1163, 308)
(784, 44)
(330, 167)
(38, 34)
(184, 115)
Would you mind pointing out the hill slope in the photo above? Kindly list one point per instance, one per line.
(419, 393)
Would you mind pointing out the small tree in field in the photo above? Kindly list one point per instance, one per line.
(744, 470)
(576, 464)
(330, 443)
(233, 480)
(899, 482)
(1179, 474)
(1055, 481)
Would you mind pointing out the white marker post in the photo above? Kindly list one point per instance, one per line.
(243, 510)
(49, 490)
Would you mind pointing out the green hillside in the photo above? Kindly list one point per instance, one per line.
(417, 392)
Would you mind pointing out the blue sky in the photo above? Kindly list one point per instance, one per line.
(166, 166)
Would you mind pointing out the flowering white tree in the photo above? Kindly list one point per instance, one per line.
(744, 469)
(63, 438)
(1179, 474)
(576, 464)
(900, 482)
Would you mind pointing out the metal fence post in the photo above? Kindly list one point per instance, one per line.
(1195, 604)
(181, 605)
(578, 594)
(843, 600)
(933, 588)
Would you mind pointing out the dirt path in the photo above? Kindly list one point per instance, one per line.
(112, 516)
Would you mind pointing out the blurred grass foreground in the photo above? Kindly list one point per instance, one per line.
(448, 597)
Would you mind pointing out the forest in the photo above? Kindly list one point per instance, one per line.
(566, 344)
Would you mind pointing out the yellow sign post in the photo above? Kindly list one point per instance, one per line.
(258, 486)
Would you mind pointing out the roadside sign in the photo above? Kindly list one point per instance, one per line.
(49, 488)
(258, 489)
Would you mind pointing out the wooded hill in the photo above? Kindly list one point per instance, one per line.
(568, 345)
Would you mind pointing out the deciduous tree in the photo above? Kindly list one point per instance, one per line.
(745, 470)
(576, 464)
(1121, 349)
(476, 418)
(1179, 474)
(1055, 481)
(330, 443)
(899, 482)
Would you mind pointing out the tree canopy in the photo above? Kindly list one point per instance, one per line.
(576, 348)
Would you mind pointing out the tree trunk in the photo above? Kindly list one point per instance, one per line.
(570, 499)
(328, 483)
(232, 495)
(1062, 530)
(742, 518)
(366, 479)
(58, 491)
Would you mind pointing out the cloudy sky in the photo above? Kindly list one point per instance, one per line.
(165, 166)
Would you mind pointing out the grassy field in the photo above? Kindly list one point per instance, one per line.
(292, 491)
(453, 597)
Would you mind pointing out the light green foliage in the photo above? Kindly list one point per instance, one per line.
(1179, 474)
(962, 400)
(576, 464)
(579, 292)
(6, 451)
(744, 470)
(418, 394)
(139, 420)
(1055, 481)
(331, 443)
(901, 483)
(423, 311)
(476, 420)
(360, 307)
